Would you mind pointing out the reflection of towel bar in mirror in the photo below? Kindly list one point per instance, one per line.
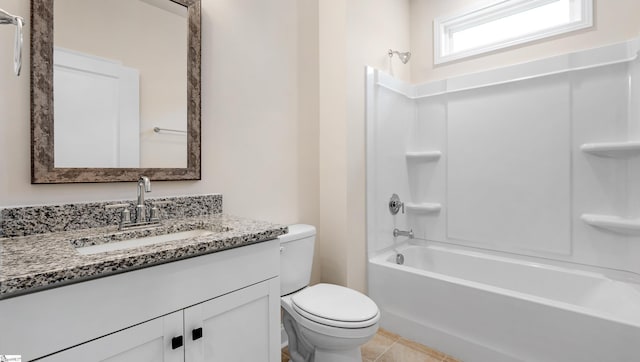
(160, 130)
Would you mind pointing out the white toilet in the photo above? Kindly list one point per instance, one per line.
(324, 322)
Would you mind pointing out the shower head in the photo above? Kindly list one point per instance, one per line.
(404, 57)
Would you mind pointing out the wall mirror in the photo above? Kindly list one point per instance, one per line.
(115, 90)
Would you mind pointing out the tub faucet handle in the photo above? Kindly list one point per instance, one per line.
(395, 204)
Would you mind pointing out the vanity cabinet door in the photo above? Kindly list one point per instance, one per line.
(146, 342)
(237, 327)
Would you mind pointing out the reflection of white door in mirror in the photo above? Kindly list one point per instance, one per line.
(97, 128)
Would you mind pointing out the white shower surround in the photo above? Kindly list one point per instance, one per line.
(511, 179)
(592, 96)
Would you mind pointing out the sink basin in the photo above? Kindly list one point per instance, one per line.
(134, 243)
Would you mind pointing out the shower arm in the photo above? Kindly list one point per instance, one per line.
(6, 18)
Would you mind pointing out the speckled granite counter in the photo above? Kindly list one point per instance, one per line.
(35, 262)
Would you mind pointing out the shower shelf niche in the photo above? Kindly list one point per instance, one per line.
(613, 223)
(613, 149)
(422, 208)
(424, 156)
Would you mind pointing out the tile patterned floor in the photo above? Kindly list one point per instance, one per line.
(389, 347)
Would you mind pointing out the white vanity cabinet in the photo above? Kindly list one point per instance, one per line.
(224, 305)
(233, 327)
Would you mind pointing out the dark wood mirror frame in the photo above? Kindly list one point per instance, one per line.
(43, 170)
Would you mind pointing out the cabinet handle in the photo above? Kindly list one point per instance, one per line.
(176, 342)
(196, 333)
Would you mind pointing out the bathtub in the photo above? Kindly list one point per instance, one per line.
(481, 307)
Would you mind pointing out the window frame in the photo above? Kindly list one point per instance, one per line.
(444, 27)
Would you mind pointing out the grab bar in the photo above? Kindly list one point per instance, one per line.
(6, 18)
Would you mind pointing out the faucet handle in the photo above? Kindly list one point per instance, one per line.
(155, 212)
(125, 214)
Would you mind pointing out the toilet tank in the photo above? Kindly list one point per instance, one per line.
(296, 257)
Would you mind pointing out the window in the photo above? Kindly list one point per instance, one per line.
(507, 23)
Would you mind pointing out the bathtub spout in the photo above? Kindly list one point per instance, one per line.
(397, 232)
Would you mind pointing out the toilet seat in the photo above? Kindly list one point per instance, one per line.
(335, 306)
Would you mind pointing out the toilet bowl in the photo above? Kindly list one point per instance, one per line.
(329, 333)
(323, 322)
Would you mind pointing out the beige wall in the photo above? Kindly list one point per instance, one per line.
(615, 21)
(250, 98)
(308, 123)
(352, 34)
(332, 138)
(250, 109)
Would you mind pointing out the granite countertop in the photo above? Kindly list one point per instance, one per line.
(35, 262)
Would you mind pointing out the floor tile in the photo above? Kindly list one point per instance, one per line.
(390, 347)
(424, 349)
(380, 343)
(285, 355)
(388, 334)
(400, 352)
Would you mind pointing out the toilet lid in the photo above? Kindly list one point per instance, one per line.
(336, 306)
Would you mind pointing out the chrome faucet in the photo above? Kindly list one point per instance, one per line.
(144, 185)
(397, 232)
(141, 221)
